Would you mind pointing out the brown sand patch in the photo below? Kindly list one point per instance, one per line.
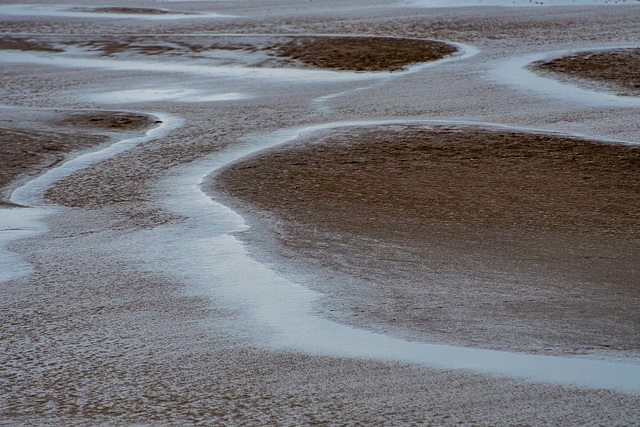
(152, 46)
(495, 238)
(363, 53)
(19, 43)
(31, 152)
(618, 69)
(29, 147)
(490, 179)
(108, 120)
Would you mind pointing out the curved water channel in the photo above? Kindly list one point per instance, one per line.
(278, 311)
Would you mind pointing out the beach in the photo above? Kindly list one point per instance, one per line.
(239, 219)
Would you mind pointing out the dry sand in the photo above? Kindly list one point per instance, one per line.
(363, 53)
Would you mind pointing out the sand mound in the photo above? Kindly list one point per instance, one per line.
(497, 238)
(363, 53)
(617, 69)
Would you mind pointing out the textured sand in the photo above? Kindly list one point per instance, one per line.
(363, 53)
(616, 69)
(32, 142)
(495, 238)
(100, 332)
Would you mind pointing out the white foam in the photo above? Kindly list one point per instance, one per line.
(514, 72)
(280, 311)
(71, 11)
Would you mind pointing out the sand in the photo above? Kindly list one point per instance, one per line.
(334, 53)
(363, 53)
(24, 44)
(414, 212)
(107, 330)
(126, 348)
(615, 69)
(26, 152)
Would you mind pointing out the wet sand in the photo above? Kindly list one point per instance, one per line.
(127, 346)
(615, 69)
(34, 141)
(363, 53)
(25, 44)
(350, 53)
(415, 214)
(104, 331)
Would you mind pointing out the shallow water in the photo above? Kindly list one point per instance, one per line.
(19, 223)
(67, 11)
(175, 95)
(280, 312)
(514, 72)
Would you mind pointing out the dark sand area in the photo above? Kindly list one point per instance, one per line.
(26, 44)
(34, 141)
(450, 228)
(363, 53)
(616, 69)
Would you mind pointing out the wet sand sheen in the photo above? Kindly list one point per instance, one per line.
(491, 238)
(344, 53)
